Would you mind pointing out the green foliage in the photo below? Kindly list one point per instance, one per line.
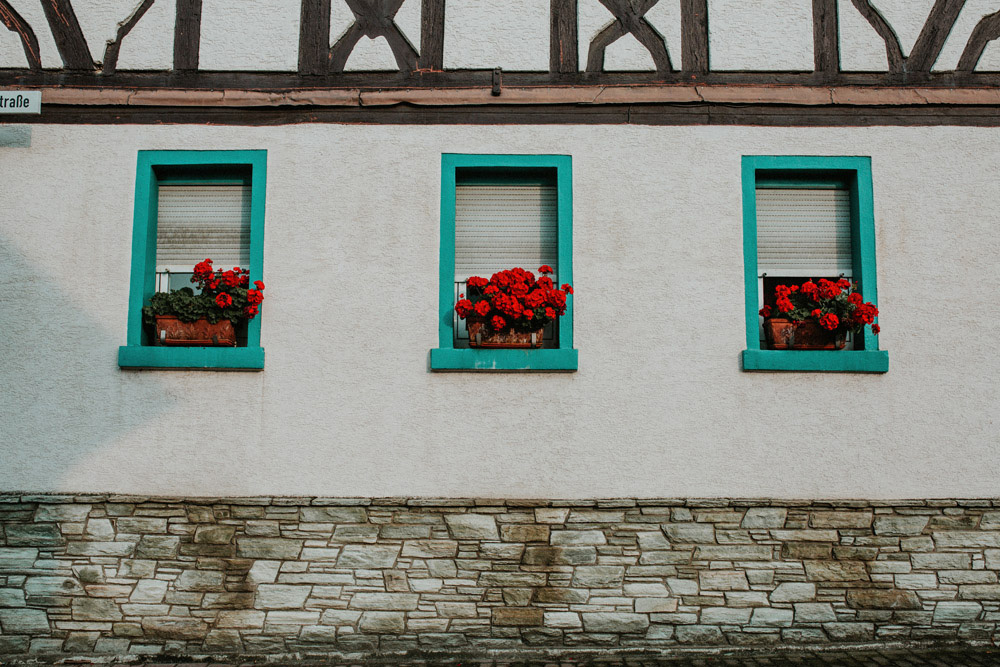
(217, 288)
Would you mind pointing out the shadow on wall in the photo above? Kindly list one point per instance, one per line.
(62, 398)
(15, 136)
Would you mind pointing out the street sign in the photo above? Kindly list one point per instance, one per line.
(20, 101)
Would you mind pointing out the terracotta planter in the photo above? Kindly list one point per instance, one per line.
(481, 336)
(201, 333)
(783, 334)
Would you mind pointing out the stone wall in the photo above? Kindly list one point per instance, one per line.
(142, 576)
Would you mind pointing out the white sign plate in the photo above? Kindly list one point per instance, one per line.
(20, 101)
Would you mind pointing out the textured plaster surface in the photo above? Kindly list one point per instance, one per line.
(346, 405)
(627, 54)
(760, 35)
(258, 35)
(484, 34)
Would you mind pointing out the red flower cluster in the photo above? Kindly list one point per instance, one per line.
(514, 299)
(834, 305)
(229, 289)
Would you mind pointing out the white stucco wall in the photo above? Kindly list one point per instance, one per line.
(760, 35)
(346, 405)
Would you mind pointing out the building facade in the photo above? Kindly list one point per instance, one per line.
(353, 476)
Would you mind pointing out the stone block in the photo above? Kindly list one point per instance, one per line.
(921, 543)
(646, 590)
(118, 549)
(268, 548)
(157, 546)
(665, 558)
(456, 609)
(957, 612)
(979, 592)
(723, 580)
(699, 635)
(380, 622)
(320, 554)
(835, 570)
(595, 516)
(472, 526)
(690, 533)
(655, 605)
(200, 580)
(501, 550)
(95, 609)
(404, 531)
(916, 581)
(746, 599)
(652, 541)
(967, 538)
(281, 596)
(357, 532)
(137, 569)
(578, 538)
(855, 520)
(11, 597)
(805, 535)
(80, 642)
(225, 641)
(17, 559)
(734, 552)
(890, 567)
(771, 617)
(517, 616)
(725, 616)
(242, 619)
(562, 619)
(879, 598)
(941, 561)
(334, 515)
(141, 525)
(340, 617)
(561, 596)
(443, 568)
(34, 535)
(290, 618)
(109, 590)
(967, 577)
(170, 628)
(62, 512)
(682, 586)
(850, 632)
(793, 592)
(614, 622)
(814, 612)
(368, 556)
(228, 601)
(560, 555)
(762, 518)
(384, 601)
(551, 515)
(518, 597)
(396, 581)
(524, 533)
(214, 534)
(598, 576)
(263, 572)
(100, 529)
(992, 559)
(48, 586)
(806, 550)
(900, 525)
(430, 549)
(23, 622)
(804, 636)
(521, 579)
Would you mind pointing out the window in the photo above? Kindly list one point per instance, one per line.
(497, 212)
(808, 217)
(190, 205)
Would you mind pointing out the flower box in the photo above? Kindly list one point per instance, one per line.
(785, 334)
(480, 335)
(170, 330)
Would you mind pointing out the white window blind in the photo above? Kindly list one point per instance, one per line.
(803, 232)
(502, 226)
(195, 222)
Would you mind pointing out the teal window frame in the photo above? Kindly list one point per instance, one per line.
(446, 357)
(154, 167)
(805, 171)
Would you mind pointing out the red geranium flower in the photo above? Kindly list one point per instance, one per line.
(816, 313)
(829, 321)
(566, 287)
(251, 311)
(810, 290)
(784, 305)
(876, 328)
(259, 285)
(483, 308)
(545, 268)
(765, 311)
(535, 299)
(782, 290)
(491, 290)
(254, 296)
(463, 308)
(476, 281)
(528, 314)
(498, 323)
(545, 283)
(549, 313)
(223, 300)
(557, 298)
(855, 298)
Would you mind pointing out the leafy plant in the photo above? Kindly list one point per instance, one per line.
(835, 306)
(224, 295)
(514, 300)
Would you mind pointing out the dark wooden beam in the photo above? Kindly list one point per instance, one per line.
(125, 27)
(826, 38)
(13, 21)
(694, 35)
(893, 50)
(187, 35)
(563, 45)
(431, 35)
(372, 19)
(629, 18)
(314, 37)
(985, 32)
(932, 37)
(67, 34)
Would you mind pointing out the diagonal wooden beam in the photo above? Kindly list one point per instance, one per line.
(893, 50)
(932, 37)
(13, 21)
(67, 34)
(125, 27)
(985, 32)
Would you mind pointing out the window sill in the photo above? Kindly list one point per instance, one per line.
(192, 358)
(831, 361)
(448, 359)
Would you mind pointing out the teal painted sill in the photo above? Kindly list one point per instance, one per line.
(194, 358)
(450, 359)
(832, 361)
